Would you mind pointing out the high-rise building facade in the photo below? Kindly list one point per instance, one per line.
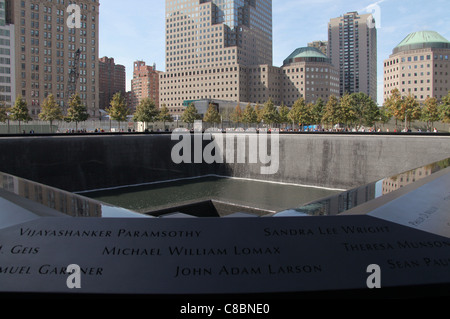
(352, 47)
(222, 50)
(7, 58)
(309, 74)
(112, 79)
(145, 84)
(321, 45)
(3, 12)
(209, 46)
(51, 57)
(420, 66)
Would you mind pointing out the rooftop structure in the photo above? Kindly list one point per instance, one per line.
(419, 65)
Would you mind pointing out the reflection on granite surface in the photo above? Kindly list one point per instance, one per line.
(345, 201)
(74, 205)
(61, 201)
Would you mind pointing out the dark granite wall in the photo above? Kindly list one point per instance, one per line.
(77, 163)
(349, 161)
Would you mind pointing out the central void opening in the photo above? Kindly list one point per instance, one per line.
(211, 196)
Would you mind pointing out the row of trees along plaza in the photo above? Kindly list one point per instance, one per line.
(352, 111)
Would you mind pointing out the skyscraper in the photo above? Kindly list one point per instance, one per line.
(112, 79)
(52, 58)
(7, 58)
(145, 84)
(209, 45)
(352, 47)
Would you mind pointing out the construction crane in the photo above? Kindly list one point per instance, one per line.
(72, 81)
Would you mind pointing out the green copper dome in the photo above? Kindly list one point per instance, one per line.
(422, 40)
(308, 54)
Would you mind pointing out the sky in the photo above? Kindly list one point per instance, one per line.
(134, 29)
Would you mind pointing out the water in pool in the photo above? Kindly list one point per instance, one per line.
(263, 195)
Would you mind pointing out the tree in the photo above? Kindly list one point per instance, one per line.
(190, 114)
(444, 109)
(236, 116)
(212, 116)
(366, 110)
(270, 113)
(300, 113)
(384, 115)
(394, 105)
(164, 115)
(345, 112)
(329, 115)
(430, 112)
(259, 114)
(146, 111)
(283, 114)
(51, 111)
(410, 110)
(77, 112)
(226, 114)
(118, 110)
(249, 117)
(307, 115)
(317, 112)
(3, 112)
(19, 112)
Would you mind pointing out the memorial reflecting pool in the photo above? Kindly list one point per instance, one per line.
(258, 194)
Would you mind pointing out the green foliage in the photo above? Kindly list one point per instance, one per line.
(118, 111)
(3, 112)
(259, 113)
(236, 116)
(444, 109)
(146, 111)
(50, 111)
(330, 114)
(19, 112)
(270, 113)
(164, 115)
(345, 112)
(384, 115)
(77, 112)
(365, 110)
(298, 113)
(317, 112)
(250, 116)
(394, 105)
(430, 112)
(190, 114)
(410, 109)
(212, 115)
(283, 114)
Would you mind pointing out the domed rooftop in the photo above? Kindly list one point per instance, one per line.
(308, 54)
(422, 40)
